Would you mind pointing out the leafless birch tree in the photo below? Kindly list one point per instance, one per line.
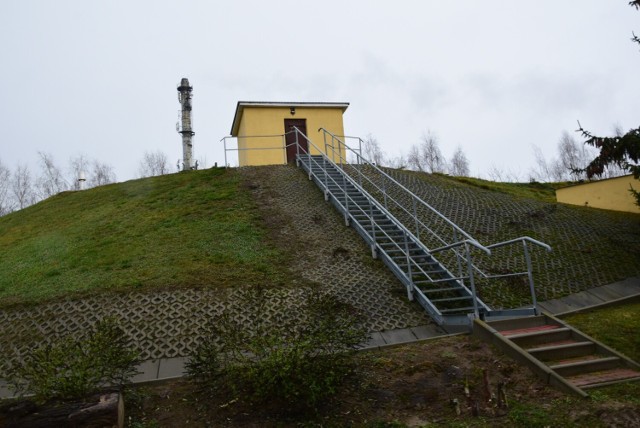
(6, 204)
(459, 165)
(22, 187)
(153, 163)
(430, 154)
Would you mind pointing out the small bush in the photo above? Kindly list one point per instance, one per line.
(295, 356)
(68, 368)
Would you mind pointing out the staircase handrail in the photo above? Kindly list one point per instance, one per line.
(472, 242)
(469, 239)
(524, 239)
(466, 242)
(394, 181)
(520, 239)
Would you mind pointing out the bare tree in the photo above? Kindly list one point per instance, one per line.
(495, 173)
(414, 160)
(51, 181)
(430, 154)
(500, 174)
(546, 170)
(372, 151)
(459, 165)
(573, 156)
(101, 174)
(22, 187)
(6, 204)
(397, 162)
(153, 163)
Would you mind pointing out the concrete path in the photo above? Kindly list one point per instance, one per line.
(620, 292)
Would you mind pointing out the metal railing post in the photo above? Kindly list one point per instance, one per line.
(384, 192)
(471, 280)
(326, 178)
(324, 137)
(346, 199)
(532, 289)
(284, 149)
(409, 270)
(415, 218)
(224, 141)
(458, 258)
(373, 231)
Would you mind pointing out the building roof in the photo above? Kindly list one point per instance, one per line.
(266, 104)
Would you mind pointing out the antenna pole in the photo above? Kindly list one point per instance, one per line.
(185, 129)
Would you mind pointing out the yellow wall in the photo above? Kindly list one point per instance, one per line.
(270, 121)
(609, 194)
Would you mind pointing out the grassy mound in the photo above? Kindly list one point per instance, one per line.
(196, 228)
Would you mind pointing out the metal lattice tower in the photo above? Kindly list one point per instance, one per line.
(185, 124)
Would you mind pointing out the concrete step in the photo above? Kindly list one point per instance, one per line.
(586, 366)
(604, 378)
(518, 325)
(563, 351)
(539, 337)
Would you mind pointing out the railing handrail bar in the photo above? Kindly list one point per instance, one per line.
(254, 136)
(438, 213)
(459, 243)
(520, 239)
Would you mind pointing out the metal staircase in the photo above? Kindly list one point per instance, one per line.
(436, 267)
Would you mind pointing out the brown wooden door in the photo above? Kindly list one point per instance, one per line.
(301, 124)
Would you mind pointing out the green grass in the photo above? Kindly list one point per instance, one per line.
(545, 192)
(617, 327)
(196, 228)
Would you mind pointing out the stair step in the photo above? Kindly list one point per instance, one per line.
(452, 299)
(586, 366)
(567, 350)
(537, 338)
(462, 309)
(605, 377)
(519, 323)
(415, 251)
(526, 330)
(579, 359)
(441, 290)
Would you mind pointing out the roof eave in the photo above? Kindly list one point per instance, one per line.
(242, 104)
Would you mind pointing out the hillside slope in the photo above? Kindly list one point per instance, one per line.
(163, 254)
(179, 230)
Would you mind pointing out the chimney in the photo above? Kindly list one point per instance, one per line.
(185, 124)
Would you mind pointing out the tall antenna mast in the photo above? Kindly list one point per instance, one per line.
(184, 96)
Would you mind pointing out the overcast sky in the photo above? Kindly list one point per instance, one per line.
(495, 77)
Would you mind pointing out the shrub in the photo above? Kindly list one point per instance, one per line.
(66, 368)
(298, 356)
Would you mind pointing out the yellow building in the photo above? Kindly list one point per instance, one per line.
(263, 130)
(609, 194)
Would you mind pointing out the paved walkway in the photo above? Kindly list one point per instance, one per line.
(162, 369)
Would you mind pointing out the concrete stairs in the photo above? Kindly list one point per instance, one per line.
(561, 355)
